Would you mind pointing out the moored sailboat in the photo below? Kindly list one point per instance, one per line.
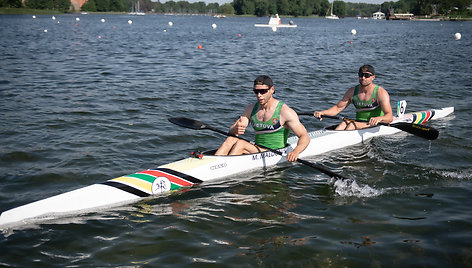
(331, 16)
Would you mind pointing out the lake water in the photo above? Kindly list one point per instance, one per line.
(85, 101)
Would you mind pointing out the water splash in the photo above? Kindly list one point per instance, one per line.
(352, 188)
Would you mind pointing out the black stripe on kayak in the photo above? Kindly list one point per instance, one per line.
(126, 188)
(180, 175)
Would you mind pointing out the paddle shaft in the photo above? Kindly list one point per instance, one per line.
(194, 124)
(415, 129)
(310, 164)
(342, 118)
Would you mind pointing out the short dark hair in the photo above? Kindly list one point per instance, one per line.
(366, 68)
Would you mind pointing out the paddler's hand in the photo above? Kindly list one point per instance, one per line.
(292, 156)
(373, 121)
(239, 127)
(318, 115)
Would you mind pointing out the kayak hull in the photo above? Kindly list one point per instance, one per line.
(191, 171)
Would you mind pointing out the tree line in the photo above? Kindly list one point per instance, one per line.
(258, 7)
(429, 7)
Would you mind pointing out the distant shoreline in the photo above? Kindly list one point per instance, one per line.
(28, 11)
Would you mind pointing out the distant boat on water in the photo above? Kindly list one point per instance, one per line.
(378, 15)
(275, 22)
(136, 10)
(331, 16)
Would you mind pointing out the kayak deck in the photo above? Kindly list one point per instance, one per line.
(191, 171)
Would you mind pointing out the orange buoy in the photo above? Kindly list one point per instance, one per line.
(200, 47)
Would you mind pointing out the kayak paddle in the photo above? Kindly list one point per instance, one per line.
(194, 124)
(422, 131)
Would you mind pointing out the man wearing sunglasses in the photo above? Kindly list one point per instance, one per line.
(271, 119)
(372, 103)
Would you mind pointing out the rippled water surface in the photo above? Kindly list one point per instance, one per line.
(86, 101)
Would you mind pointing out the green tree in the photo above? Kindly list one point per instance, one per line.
(200, 7)
(339, 8)
(102, 5)
(261, 8)
(272, 8)
(283, 7)
(89, 6)
(169, 6)
(117, 5)
(248, 7)
(11, 3)
(212, 8)
(226, 9)
(62, 5)
(182, 7)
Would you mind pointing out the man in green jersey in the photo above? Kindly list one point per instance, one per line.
(372, 103)
(271, 119)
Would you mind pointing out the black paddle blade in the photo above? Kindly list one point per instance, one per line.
(187, 122)
(418, 130)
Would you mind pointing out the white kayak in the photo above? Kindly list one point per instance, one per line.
(187, 172)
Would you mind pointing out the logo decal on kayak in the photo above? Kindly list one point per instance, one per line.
(161, 185)
(263, 155)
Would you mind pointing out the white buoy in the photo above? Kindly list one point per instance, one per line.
(170, 23)
(353, 31)
(102, 20)
(45, 30)
(34, 17)
(274, 29)
(53, 18)
(130, 22)
(213, 26)
(457, 36)
(77, 19)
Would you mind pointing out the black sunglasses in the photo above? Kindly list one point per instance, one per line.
(366, 75)
(262, 91)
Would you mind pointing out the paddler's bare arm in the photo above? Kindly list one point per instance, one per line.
(339, 107)
(292, 122)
